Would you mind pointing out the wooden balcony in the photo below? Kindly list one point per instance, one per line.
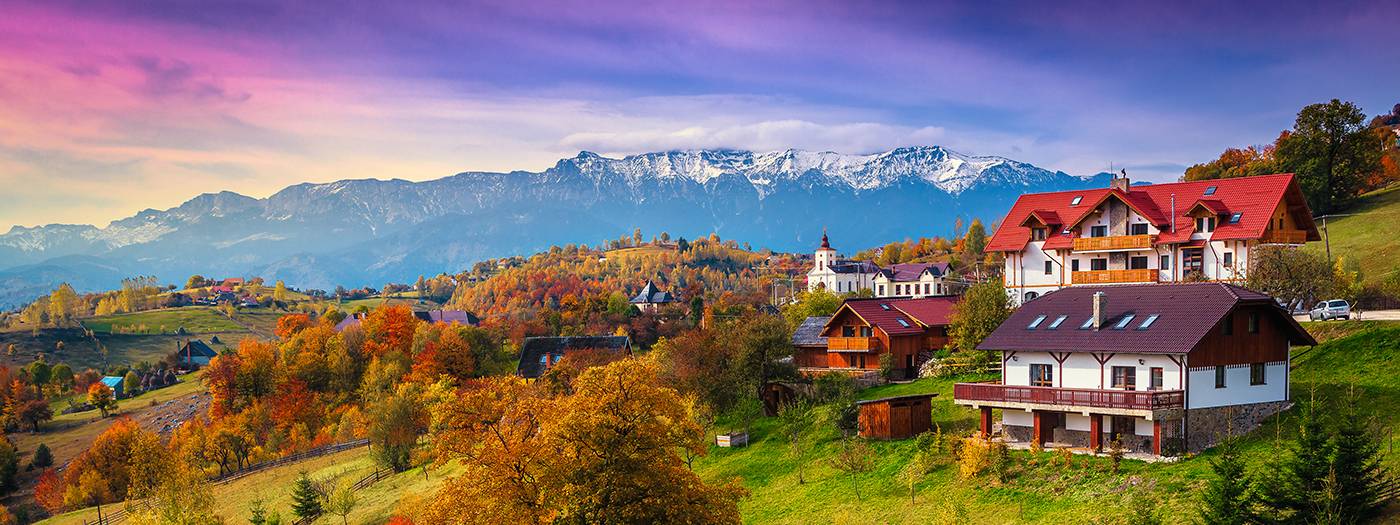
(1068, 397)
(1115, 276)
(1114, 243)
(1284, 237)
(852, 344)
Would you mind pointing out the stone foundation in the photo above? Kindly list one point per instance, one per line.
(1205, 427)
(1079, 438)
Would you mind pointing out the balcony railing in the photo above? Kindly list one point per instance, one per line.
(1284, 237)
(852, 344)
(1117, 242)
(1115, 276)
(1068, 397)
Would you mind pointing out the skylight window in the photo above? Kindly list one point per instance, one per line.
(1210, 190)
(1036, 322)
(1147, 323)
(1076, 200)
(902, 323)
(884, 306)
(1057, 322)
(1087, 323)
(1235, 217)
(1123, 323)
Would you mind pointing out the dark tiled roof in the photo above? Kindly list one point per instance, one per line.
(912, 271)
(535, 348)
(848, 266)
(1186, 314)
(449, 317)
(1254, 197)
(349, 321)
(196, 348)
(897, 398)
(809, 333)
(651, 294)
(887, 314)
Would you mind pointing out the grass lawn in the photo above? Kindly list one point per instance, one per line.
(194, 319)
(1368, 237)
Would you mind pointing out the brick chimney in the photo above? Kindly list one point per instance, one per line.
(1100, 305)
(1119, 182)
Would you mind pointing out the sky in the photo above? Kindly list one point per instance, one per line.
(108, 108)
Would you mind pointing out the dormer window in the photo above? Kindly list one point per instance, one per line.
(1076, 200)
(1210, 190)
(1037, 234)
(1205, 224)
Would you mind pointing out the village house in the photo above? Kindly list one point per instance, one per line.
(651, 298)
(913, 280)
(832, 273)
(428, 316)
(1165, 367)
(1184, 231)
(194, 354)
(862, 330)
(117, 384)
(539, 354)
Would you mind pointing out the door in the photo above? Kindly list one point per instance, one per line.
(901, 420)
(909, 372)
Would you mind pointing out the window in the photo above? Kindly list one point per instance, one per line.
(1098, 231)
(1125, 377)
(848, 331)
(1036, 322)
(1165, 263)
(1074, 265)
(866, 331)
(1229, 259)
(1042, 375)
(902, 323)
(1037, 234)
(1210, 190)
(1220, 376)
(1256, 373)
(1087, 323)
(1138, 229)
(1280, 223)
(1137, 263)
(1075, 201)
(1235, 217)
(1098, 264)
(1253, 322)
(1192, 259)
(1057, 322)
(1205, 224)
(1229, 327)
(1030, 296)
(1123, 323)
(1156, 383)
(884, 306)
(1337, 304)
(1048, 268)
(1147, 323)
(881, 290)
(926, 288)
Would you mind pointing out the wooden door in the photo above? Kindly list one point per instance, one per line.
(901, 420)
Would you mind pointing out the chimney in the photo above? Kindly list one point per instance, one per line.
(1119, 182)
(1100, 304)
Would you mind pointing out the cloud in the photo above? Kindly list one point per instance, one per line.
(859, 137)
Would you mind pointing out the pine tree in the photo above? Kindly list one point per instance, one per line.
(306, 500)
(1356, 460)
(1227, 499)
(1300, 476)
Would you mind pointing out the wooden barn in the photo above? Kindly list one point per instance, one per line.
(897, 417)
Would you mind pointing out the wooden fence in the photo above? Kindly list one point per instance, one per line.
(359, 485)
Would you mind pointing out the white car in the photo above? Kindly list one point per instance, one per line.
(1334, 309)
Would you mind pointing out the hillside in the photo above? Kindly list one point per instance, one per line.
(133, 337)
(366, 232)
(1368, 235)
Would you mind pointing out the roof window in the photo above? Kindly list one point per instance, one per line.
(1087, 323)
(884, 306)
(1147, 323)
(1075, 201)
(1123, 323)
(1235, 217)
(1036, 322)
(902, 323)
(1210, 190)
(1057, 322)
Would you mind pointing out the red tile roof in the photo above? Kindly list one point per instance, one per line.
(1186, 313)
(1253, 197)
(887, 313)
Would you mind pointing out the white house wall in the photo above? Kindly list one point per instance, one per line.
(1081, 370)
(1203, 394)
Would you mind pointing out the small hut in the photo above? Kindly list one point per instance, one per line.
(897, 417)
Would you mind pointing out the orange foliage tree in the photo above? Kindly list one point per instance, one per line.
(288, 325)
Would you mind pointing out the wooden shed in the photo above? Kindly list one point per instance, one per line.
(897, 417)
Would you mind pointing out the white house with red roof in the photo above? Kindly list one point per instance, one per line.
(913, 280)
(1155, 233)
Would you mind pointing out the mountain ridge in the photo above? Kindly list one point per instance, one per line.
(366, 231)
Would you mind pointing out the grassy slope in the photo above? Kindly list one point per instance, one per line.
(194, 319)
(79, 351)
(1040, 491)
(1368, 237)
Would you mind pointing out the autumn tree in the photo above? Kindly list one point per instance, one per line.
(796, 422)
(288, 325)
(1235, 162)
(854, 459)
(1332, 151)
(815, 303)
(979, 312)
(62, 303)
(49, 491)
(1290, 275)
(279, 292)
(396, 421)
(100, 396)
(341, 501)
(35, 412)
(390, 328)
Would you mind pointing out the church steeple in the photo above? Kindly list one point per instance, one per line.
(826, 244)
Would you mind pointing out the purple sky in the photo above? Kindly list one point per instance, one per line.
(108, 108)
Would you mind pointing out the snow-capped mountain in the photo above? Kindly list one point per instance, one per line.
(356, 232)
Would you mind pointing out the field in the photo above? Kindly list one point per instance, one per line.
(408, 298)
(1368, 236)
(194, 319)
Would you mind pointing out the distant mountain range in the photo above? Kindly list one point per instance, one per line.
(368, 232)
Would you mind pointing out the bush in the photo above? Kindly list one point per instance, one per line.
(886, 366)
(42, 457)
(832, 386)
(978, 456)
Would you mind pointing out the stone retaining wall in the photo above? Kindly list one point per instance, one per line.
(1206, 426)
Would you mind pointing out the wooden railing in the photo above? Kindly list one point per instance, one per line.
(1116, 242)
(1069, 397)
(1115, 276)
(859, 344)
(1284, 237)
(291, 458)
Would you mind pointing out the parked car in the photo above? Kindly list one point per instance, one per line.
(1334, 309)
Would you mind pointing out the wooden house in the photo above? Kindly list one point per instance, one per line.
(863, 330)
(539, 354)
(896, 417)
